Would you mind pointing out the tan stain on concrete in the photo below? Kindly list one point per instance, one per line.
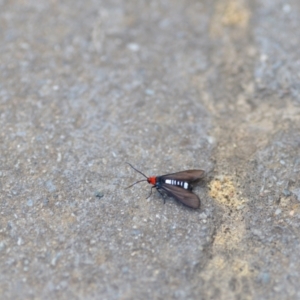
(240, 267)
(222, 189)
(237, 267)
(232, 13)
(229, 236)
(229, 264)
(235, 272)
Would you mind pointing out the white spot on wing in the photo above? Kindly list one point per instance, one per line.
(169, 181)
(186, 185)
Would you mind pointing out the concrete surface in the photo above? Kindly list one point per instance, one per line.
(166, 85)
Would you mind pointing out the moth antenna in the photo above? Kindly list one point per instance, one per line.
(135, 183)
(137, 170)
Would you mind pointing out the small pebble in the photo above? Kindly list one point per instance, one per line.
(286, 8)
(264, 277)
(278, 211)
(133, 47)
(20, 241)
(203, 215)
(2, 246)
(50, 186)
(149, 92)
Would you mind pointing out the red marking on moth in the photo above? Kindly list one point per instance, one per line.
(152, 180)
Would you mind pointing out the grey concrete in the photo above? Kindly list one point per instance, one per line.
(166, 85)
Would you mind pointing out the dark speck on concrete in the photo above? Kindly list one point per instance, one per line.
(99, 194)
(286, 192)
(135, 232)
(45, 201)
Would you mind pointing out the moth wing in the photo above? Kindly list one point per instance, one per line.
(184, 196)
(188, 175)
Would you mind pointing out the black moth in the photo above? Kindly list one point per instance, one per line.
(176, 185)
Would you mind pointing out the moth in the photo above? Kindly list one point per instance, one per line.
(177, 185)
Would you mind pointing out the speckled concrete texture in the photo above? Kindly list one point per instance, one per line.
(86, 86)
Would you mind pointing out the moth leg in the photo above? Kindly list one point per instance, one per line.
(161, 195)
(150, 192)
